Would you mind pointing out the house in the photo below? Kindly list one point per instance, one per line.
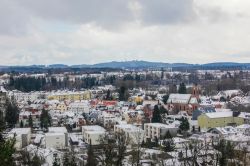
(228, 94)
(57, 137)
(22, 135)
(79, 107)
(244, 129)
(223, 131)
(62, 107)
(24, 118)
(220, 119)
(92, 134)
(159, 130)
(45, 153)
(108, 119)
(133, 116)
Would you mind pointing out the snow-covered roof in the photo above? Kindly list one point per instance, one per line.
(27, 113)
(219, 114)
(238, 138)
(57, 130)
(93, 128)
(128, 127)
(243, 126)
(19, 131)
(161, 125)
(38, 138)
(179, 98)
(245, 115)
(2, 89)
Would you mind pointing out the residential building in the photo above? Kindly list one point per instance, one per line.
(159, 130)
(219, 119)
(24, 118)
(92, 134)
(70, 95)
(22, 136)
(57, 137)
(135, 134)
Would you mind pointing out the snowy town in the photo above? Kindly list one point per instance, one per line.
(162, 124)
(124, 83)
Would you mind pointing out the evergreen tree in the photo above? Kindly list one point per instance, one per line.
(30, 121)
(108, 96)
(193, 129)
(156, 115)
(21, 124)
(91, 161)
(7, 149)
(165, 99)
(12, 114)
(45, 119)
(122, 93)
(182, 89)
(184, 126)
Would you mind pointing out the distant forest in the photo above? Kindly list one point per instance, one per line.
(27, 84)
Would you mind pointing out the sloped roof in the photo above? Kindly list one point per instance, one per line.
(179, 98)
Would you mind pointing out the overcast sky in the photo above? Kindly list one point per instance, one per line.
(93, 31)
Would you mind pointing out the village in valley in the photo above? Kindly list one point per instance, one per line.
(125, 117)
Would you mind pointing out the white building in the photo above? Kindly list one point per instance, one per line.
(159, 130)
(22, 136)
(57, 137)
(79, 107)
(92, 134)
(108, 119)
(31, 96)
(135, 134)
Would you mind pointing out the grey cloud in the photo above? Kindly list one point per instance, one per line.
(13, 19)
(111, 11)
(106, 13)
(167, 11)
(80, 11)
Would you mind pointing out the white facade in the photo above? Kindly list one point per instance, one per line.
(31, 96)
(135, 134)
(57, 137)
(158, 130)
(92, 134)
(55, 140)
(77, 107)
(22, 136)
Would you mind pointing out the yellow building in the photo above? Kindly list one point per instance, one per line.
(72, 96)
(219, 119)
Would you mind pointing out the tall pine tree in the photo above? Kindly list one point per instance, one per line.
(12, 114)
(30, 121)
(156, 115)
(182, 89)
